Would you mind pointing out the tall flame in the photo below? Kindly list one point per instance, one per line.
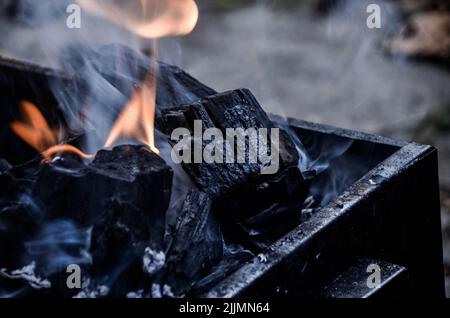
(147, 18)
(137, 120)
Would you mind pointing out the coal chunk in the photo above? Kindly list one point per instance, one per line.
(236, 109)
(195, 245)
(258, 215)
(240, 109)
(123, 194)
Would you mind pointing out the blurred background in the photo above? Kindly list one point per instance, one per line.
(311, 59)
(317, 60)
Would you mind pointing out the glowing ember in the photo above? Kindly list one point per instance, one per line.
(35, 131)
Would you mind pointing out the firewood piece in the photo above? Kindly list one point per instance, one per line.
(124, 194)
(233, 109)
(195, 245)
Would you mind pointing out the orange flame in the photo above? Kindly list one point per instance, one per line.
(137, 120)
(147, 18)
(35, 131)
(34, 128)
(150, 19)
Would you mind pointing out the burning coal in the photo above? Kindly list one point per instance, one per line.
(138, 118)
(137, 222)
(150, 19)
(147, 18)
(254, 151)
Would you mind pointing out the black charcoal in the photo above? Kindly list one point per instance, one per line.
(195, 245)
(123, 194)
(234, 109)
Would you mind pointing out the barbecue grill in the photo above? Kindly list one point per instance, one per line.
(388, 215)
